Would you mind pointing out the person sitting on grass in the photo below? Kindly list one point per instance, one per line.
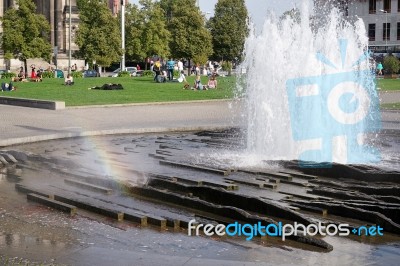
(162, 77)
(7, 87)
(212, 83)
(197, 84)
(69, 80)
(21, 76)
(181, 78)
(38, 76)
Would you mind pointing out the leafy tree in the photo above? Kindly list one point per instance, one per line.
(98, 36)
(147, 32)
(134, 24)
(229, 29)
(190, 38)
(293, 13)
(391, 64)
(25, 33)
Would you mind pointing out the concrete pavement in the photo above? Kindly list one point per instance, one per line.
(23, 125)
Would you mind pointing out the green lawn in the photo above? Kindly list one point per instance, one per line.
(390, 106)
(136, 90)
(388, 84)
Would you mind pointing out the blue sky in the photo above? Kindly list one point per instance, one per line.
(257, 8)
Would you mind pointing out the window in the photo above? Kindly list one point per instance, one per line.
(371, 32)
(398, 31)
(386, 31)
(372, 6)
(387, 5)
(398, 6)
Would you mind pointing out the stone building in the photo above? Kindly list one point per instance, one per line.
(381, 19)
(57, 13)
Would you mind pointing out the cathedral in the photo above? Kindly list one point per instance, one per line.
(57, 13)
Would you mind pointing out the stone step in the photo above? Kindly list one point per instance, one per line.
(88, 186)
(139, 218)
(253, 183)
(321, 211)
(91, 207)
(195, 167)
(52, 203)
(27, 190)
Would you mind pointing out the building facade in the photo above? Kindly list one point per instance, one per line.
(381, 19)
(57, 12)
(382, 22)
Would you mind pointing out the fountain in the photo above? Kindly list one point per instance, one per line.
(309, 92)
(117, 185)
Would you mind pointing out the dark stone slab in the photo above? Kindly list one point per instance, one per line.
(334, 170)
(88, 186)
(52, 203)
(200, 206)
(253, 183)
(93, 208)
(195, 167)
(139, 218)
(26, 190)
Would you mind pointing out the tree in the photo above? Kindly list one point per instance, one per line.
(98, 36)
(293, 13)
(190, 38)
(25, 33)
(229, 30)
(134, 24)
(391, 65)
(147, 33)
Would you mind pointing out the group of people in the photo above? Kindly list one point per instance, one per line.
(36, 76)
(211, 83)
(166, 72)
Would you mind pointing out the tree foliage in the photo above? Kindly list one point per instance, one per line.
(229, 29)
(391, 64)
(146, 31)
(25, 33)
(98, 36)
(190, 37)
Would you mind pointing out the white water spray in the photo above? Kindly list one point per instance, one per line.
(287, 49)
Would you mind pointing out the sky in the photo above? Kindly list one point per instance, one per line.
(256, 8)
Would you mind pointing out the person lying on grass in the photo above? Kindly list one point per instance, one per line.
(108, 86)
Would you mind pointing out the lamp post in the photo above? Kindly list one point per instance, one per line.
(386, 27)
(69, 38)
(123, 34)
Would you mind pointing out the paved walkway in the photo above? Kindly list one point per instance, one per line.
(21, 124)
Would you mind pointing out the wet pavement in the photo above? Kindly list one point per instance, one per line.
(37, 233)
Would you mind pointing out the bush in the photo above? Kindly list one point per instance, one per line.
(176, 73)
(391, 65)
(124, 74)
(77, 74)
(8, 75)
(47, 74)
(147, 73)
(227, 66)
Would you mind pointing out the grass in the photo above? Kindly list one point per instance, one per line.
(388, 84)
(390, 106)
(136, 90)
